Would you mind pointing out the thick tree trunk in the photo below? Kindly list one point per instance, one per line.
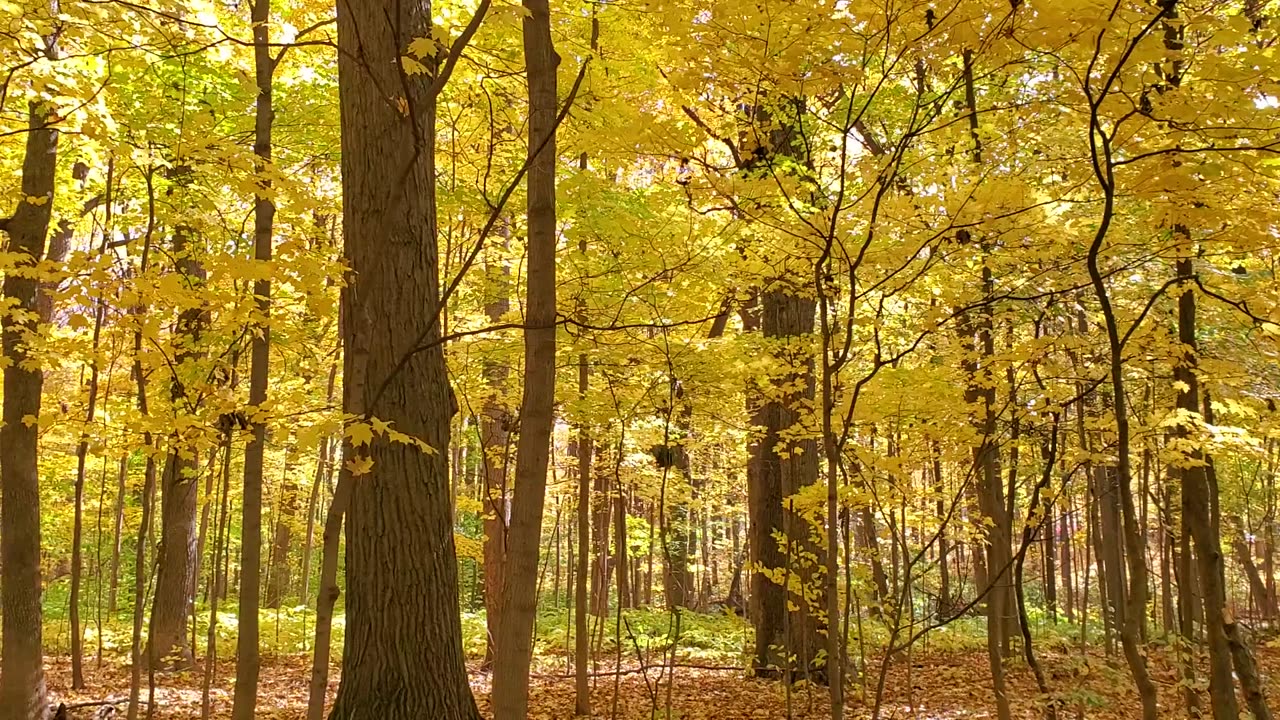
(168, 643)
(22, 685)
(786, 468)
(403, 652)
(537, 409)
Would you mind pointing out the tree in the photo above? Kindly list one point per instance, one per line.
(264, 212)
(402, 596)
(514, 650)
(22, 684)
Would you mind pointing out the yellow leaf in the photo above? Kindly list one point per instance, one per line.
(411, 67)
(360, 465)
(422, 47)
(360, 433)
(29, 420)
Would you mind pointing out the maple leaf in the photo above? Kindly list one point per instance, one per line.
(359, 433)
(358, 466)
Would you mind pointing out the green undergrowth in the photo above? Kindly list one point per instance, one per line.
(711, 638)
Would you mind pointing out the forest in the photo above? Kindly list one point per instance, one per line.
(663, 359)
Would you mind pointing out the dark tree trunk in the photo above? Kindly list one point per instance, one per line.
(169, 644)
(22, 685)
(403, 652)
(514, 652)
(264, 213)
(789, 316)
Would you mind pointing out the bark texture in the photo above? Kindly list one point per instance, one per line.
(168, 644)
(22, 686)
(403, 653)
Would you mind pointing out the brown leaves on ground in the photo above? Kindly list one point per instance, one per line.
(934, 687)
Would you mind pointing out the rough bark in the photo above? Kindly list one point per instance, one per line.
(537, 409)
(22, 685)
(175, 580)
(403, 651)
(790, 319)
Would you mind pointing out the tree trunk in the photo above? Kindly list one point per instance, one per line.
(601, 512)
(941, 509)
(677, 536)
(581, 634)
(403, 652)
(117, 536)
(220, 534)
(328, 598)
(324, 475)
(620, 534)
(168, 642)
(494, 442)
(149, 476)
(1244, 555)
(264, 212)
(278, 578)
(1195, 489)
(1242, 659)
(1134, 538)
(1065, 563)
(790, 316)
(82, 455)
(22, 685)
(537, 409)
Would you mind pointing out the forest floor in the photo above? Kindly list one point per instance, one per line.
(933, 686)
